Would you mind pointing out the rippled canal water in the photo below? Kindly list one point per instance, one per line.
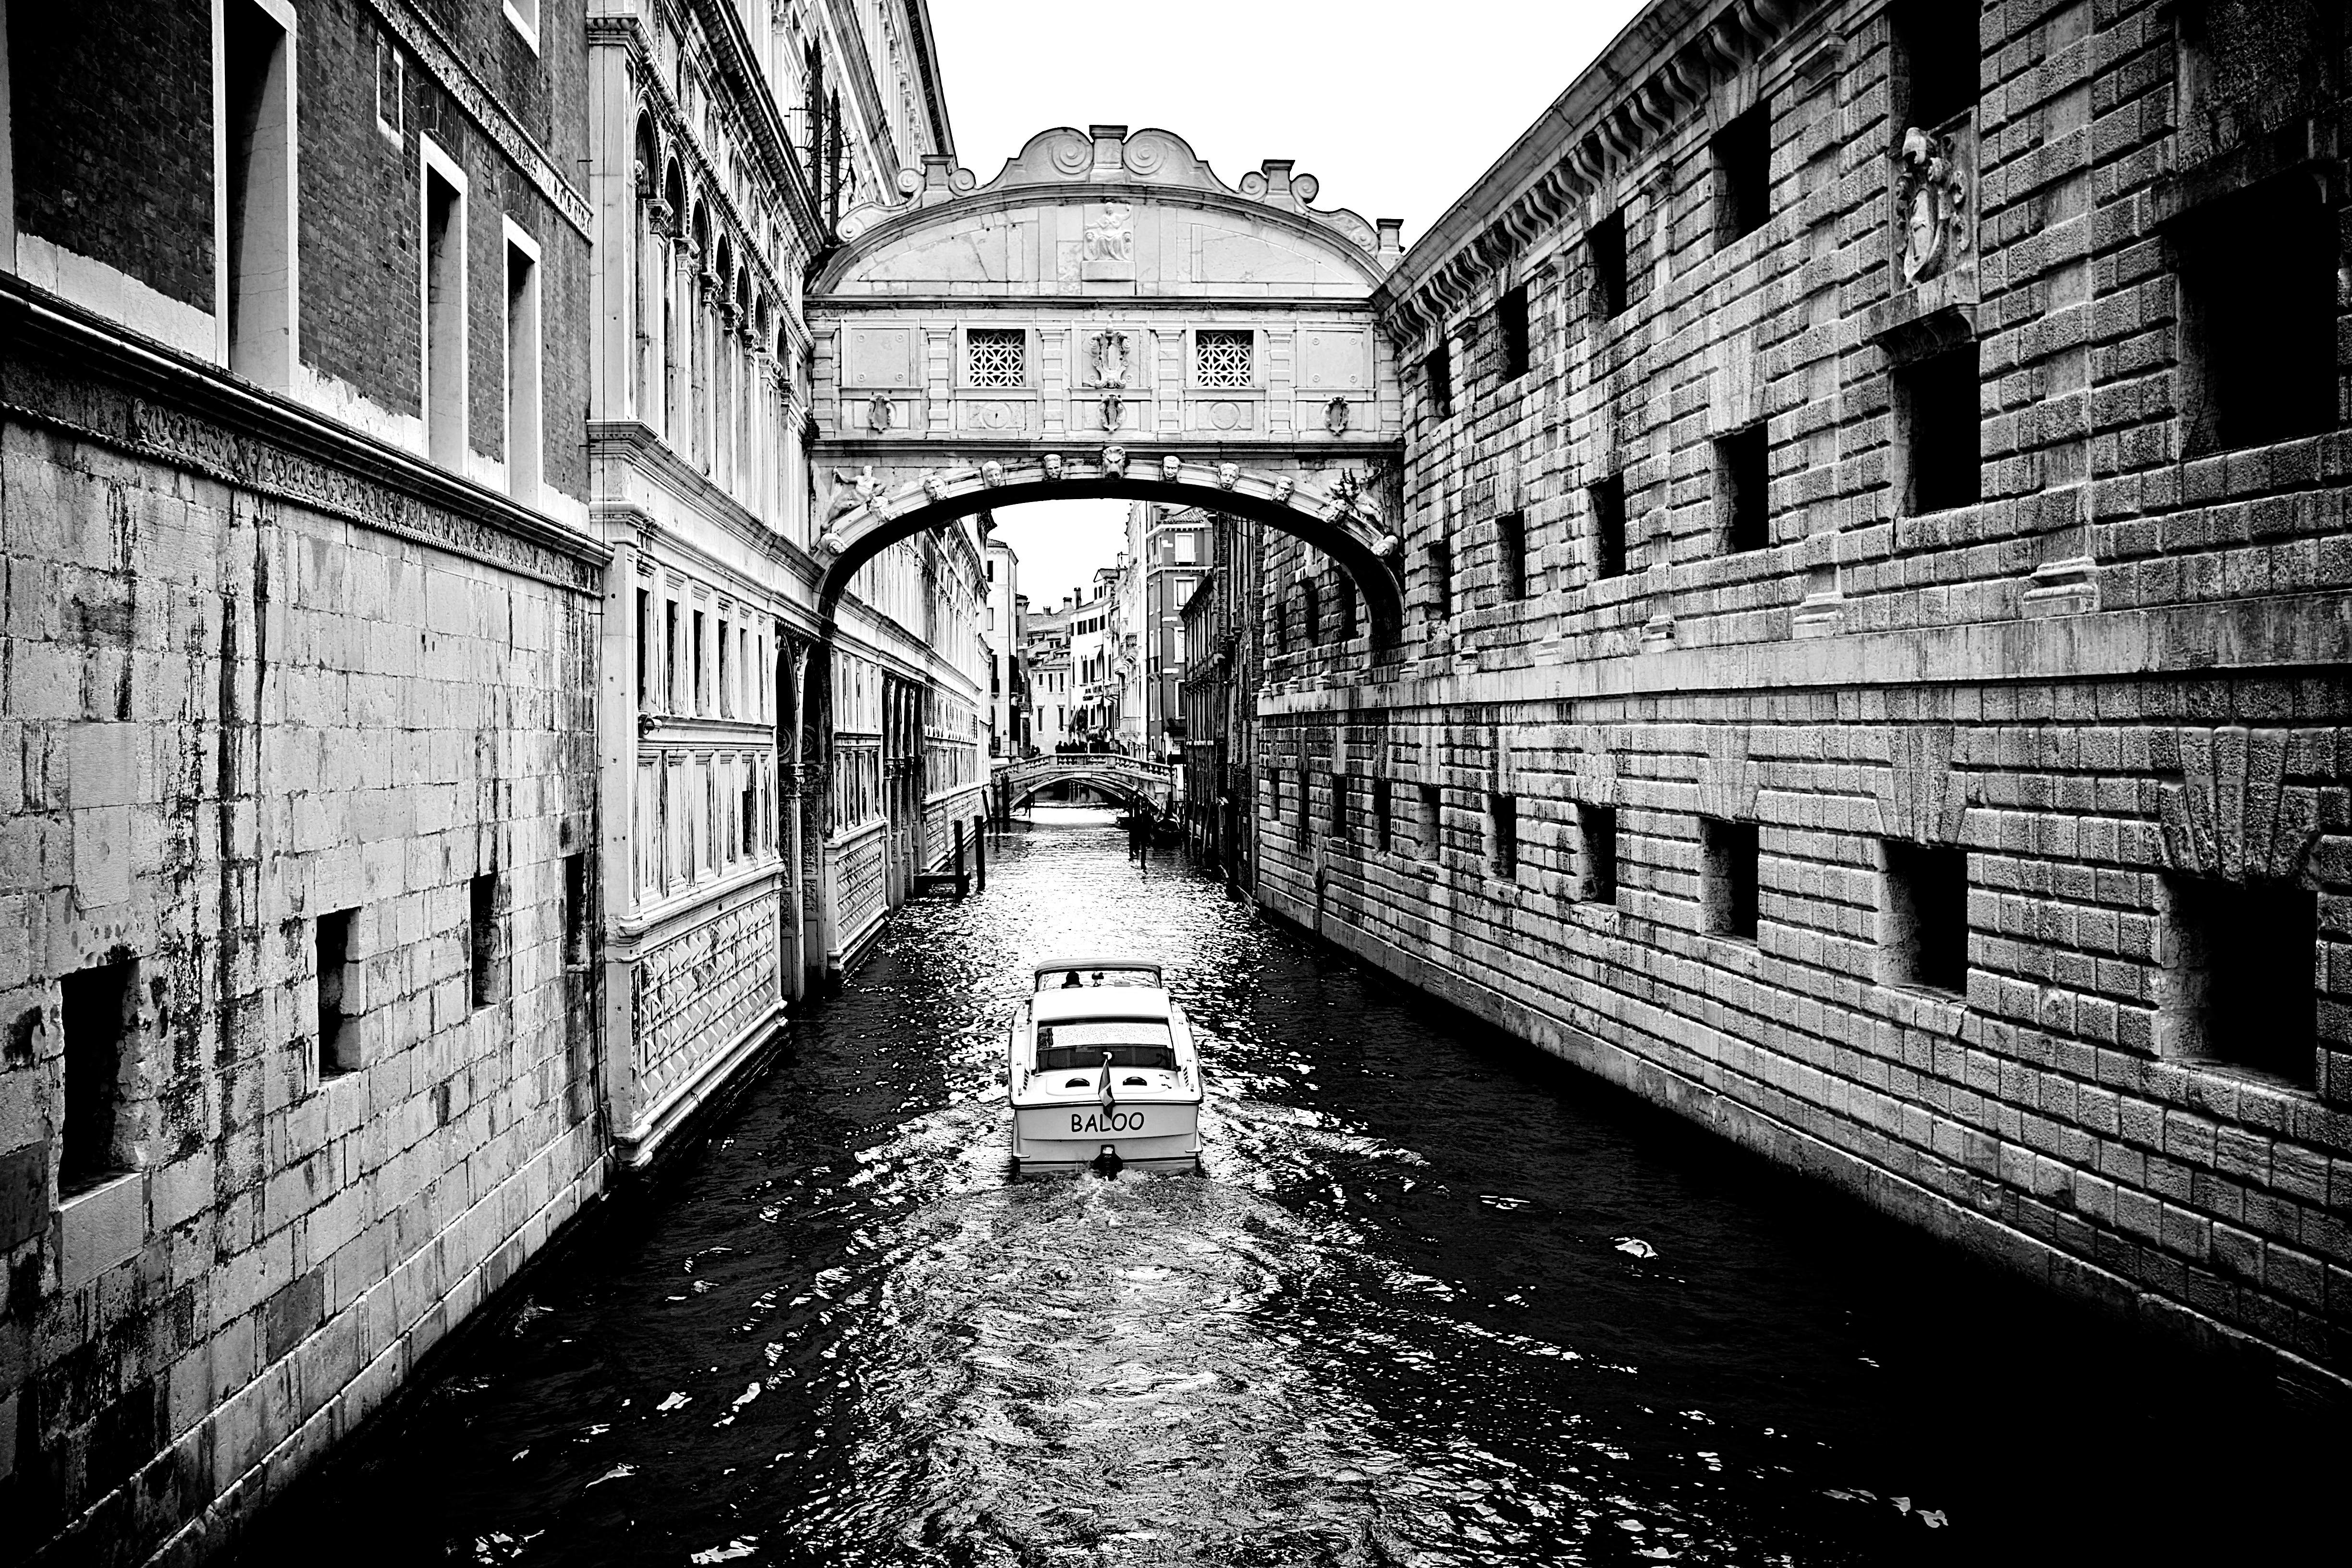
(1397, 1320)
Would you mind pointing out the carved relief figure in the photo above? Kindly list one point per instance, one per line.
(1935, 196)
(1110, 236)
(1109, 355)
(851, 491)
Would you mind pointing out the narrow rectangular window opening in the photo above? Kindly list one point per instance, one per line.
(390, 86)
(1503, 835)
(2258, 292)
(1936, 67)
(645, 648)
(701, 687)
(1938, 420)
(1340, 805)
(575, 910)
(1924, 915)
(1441, 577)
(1383, 823)
(1431, 821)
(338, 996)
(1742, 478)
(1597, 824)
(482, 937)
(259, 130)
(524, 441)
(726, 691)
(1438, 367)
(2240, 961)
(1511, 554)
(669, 656)
(1728, 879)
(95, 1008)
(1609, 527)
(1511, 322)
(445, 320)
(1743, 183)
(1604, 242)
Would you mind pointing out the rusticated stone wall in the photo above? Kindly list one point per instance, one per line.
(2011, 769)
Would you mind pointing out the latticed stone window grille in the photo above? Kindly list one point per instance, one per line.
(996, 356)
(1222, 359)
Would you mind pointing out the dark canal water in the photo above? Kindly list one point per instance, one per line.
(1396, 1321)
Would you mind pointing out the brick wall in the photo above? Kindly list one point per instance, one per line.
(67, 65)
(2105, 688)
(361, 234)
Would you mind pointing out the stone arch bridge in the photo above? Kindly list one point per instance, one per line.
(1127, 778)
(1108, 317)
(1104, 318)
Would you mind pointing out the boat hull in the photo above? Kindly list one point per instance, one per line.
(1067, 1136)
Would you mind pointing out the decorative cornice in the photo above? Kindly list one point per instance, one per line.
(1660, 67)
(927, 59)
(1108, 164)
(70, 370)
(424, 40)
(752, 98)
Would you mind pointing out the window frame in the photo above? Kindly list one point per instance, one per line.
(1257, 377)
(275, 367)
(525, 487)
(433, 163)
(963, 368)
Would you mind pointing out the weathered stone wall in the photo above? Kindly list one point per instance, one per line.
(229, 714)
(2109, 687)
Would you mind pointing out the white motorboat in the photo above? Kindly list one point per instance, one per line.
(1101, 1069)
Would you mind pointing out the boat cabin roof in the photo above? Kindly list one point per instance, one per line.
(1074, 973)
(1099, 1002)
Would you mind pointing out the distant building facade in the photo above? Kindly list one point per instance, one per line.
(1008, 683)
(1222, 621)
(1170, 554)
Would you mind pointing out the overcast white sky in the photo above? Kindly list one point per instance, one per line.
(1396, 108)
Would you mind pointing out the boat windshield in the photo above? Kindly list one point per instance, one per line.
(1100, 974)
(1082, 1042)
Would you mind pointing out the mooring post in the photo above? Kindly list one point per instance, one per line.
(964, 882)
(980, 861)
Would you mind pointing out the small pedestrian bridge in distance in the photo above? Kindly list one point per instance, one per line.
(1123, 777)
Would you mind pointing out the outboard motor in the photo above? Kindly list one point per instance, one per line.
(1107, 1164)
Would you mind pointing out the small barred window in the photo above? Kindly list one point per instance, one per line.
(1222, 359)
(997, 356)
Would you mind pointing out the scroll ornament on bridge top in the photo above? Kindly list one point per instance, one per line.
(1109, 155)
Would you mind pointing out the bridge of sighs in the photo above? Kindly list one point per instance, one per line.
(1106, 317)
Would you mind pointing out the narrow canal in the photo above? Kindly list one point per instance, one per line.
(1400, 1318)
